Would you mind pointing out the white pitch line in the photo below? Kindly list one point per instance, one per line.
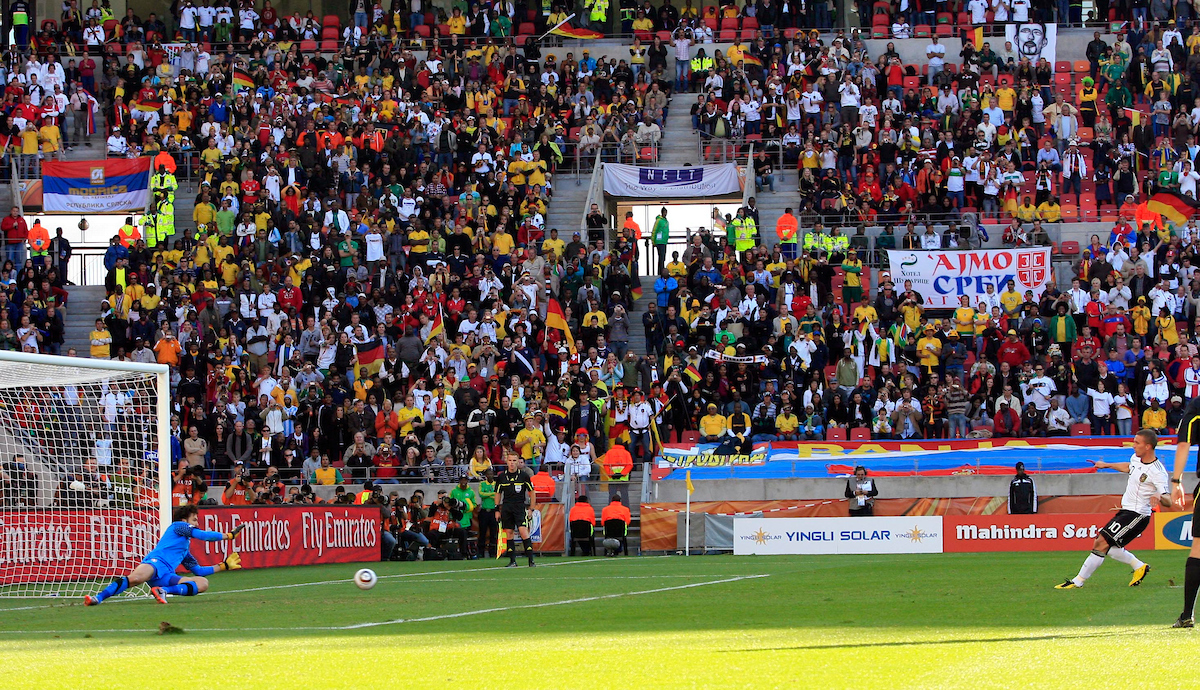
(67, 601)
(424, 619)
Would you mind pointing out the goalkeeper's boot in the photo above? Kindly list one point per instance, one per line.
(1067, 584)
(158, 595)
(1182, 622)
(90, 600)
(1139, 575)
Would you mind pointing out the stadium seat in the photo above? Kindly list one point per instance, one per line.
(1081, 430)
(964, 19)
(1082, 67)
(885, 7)
(1070, 213)
(1004, 80)
(1062, 79)
(944, 18)
(331, 20)
(421, 30)
(749, 23)
(664, 36)
(728, 35)
(1069, 248)
(531, 14)
(921, 31)
(860, 433)
(945, 31)
(711, 23)
(583, 534)
(912, 82)
(573, 135)
(429, 18)
(1085, 134)
(729, 23)
(835, 434)
(526, 28)
(308, 46)
(50, 25)
(878, 32)
(691, 436)
(1062, 66)
(617, 529)
(749, 35)
(329, 47)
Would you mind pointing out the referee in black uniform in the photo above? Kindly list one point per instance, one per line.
(1189, 433)
(513, 488)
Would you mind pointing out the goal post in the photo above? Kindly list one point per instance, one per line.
(85, 471)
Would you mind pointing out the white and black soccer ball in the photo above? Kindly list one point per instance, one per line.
(365, 579)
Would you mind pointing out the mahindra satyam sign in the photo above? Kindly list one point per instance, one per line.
(943, 277)
(1052, 532)
(1172, 530)
(783, 536)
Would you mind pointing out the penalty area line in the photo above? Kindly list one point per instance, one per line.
(422, 619)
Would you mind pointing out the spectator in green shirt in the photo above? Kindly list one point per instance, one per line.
(469, 498)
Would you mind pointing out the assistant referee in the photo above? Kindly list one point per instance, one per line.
(1189, 434)
(512, 487)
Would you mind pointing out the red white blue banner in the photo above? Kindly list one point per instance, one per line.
(942, 277)
(109, 186)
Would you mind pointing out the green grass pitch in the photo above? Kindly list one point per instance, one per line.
(965, 620)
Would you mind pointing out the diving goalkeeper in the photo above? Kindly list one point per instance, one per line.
(158, 567)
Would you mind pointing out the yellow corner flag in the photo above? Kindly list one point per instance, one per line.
(690, 487)
(501, 546)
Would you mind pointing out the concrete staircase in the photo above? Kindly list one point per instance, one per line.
(83, 308)
(566, 207)
(678, 145)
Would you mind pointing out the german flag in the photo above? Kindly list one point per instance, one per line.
(636, 292)
(370, 355)
(438, 328)
(1173, 207)
(557, 410)
(748, 59)
(148, 106)
(692, 372)
(568, 31)
(242, 79)
(556, 318)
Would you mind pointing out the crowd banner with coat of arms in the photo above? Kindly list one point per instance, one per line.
(661, 183)
(942, 277)
(116, 185)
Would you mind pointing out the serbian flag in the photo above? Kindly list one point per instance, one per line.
(1173, 207)
(370, 355)
(116, 185)
(148, 106)
(93, 107)
(569, 31)
(438, 328)
(556, 318)
(242, 79)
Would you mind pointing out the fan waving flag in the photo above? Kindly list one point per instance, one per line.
(242, 79)
(438, 327)
(148, 106)
(692, 372)
(569, 31)
(370, 355)
(556, 318)
(1175, 208)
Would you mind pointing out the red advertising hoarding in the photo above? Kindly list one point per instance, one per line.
(1053, 532)
(62, 544)
(291, 535)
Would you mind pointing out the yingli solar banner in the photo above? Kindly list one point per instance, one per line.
(117, 185)
(662, 183)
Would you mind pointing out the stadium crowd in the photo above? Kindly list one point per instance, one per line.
(367, 289)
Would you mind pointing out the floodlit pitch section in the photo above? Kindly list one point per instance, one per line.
(85, 496)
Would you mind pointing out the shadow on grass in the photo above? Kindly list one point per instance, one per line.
(929, 643)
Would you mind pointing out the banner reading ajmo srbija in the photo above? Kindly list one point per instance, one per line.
(942, 277)
(660, 183)
(117, 185)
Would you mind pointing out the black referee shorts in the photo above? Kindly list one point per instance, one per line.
(1125, 526)
(514, 516)
(1196, 513)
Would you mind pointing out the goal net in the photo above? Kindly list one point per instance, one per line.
(83, 496)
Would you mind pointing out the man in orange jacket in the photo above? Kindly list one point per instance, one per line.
(615, 510)
(618, 463)
(39, 244)
(786, 227)
(582, 514)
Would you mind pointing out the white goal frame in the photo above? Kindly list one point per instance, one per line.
(162, 385)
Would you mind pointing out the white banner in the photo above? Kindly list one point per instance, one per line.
(1033, 40)
(661, 183)
(941, 277)
(774, 536)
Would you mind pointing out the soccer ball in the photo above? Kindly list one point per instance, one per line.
(365, 579)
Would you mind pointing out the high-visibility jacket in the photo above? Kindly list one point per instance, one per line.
(39, 240)
(702, 64)
(583, 512)
(599, 11)
(812, 241)
(164, 181)
(746, 231)
(165, 160)
(128, 235)
(615, 511)
(786, 226)
(148, 225)
(164, 219)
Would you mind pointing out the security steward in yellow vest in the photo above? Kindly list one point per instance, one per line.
(701, 66)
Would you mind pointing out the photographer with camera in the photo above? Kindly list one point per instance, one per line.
(240, 490)
(445, 524)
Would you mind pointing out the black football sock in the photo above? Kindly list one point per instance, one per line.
(528, 543)
(512, 550)
(1191, 583)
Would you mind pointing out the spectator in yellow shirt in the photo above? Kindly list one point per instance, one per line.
(929, 349)
(51, 139)
(713, 425)
(786, 424)
(101, 340)
(1155, 417)
(1049, 211)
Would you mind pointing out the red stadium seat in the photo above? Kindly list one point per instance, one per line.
(1062, 79)
(526, 28)
(945, 30)
(944, 18)
(880, 20)
(664, 36)
(308, 46)
(332, 32)
(729, 23)
(728, 35)
(691, 437)
(912, 82)
(1082, 67)
(711, 23)
(1069, 248)
(749, 23)
(860, 433)
(1085, 134)
(921, 31)
(879, 32)
(748, 35)
(331, 20)
(1082, 429)
(1004, 80)
(1062, 66)
(329, 46)
(421, 30)
(835, 434)
(50, 25)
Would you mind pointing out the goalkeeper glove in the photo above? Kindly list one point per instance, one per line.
(236, 531)
(232, 562)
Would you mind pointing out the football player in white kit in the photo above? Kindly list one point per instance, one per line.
(1149, 481)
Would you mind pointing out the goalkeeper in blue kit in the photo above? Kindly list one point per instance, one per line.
(159, 566)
